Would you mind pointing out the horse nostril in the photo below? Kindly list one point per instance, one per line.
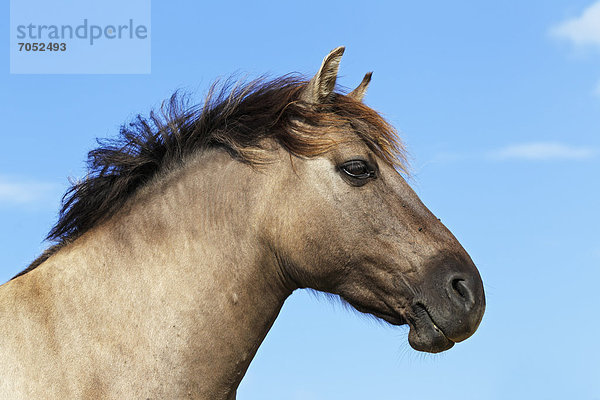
(462, 292)
(459, 286)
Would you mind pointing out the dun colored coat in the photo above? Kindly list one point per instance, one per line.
(175, 254)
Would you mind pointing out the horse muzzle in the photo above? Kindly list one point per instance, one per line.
(450, 306)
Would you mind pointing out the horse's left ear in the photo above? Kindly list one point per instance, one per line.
(358, 93)
(321, 86)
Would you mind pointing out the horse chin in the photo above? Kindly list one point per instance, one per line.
(424, 334)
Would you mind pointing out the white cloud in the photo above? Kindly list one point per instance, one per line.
(544, 151)
(24, 192)
(582, 30)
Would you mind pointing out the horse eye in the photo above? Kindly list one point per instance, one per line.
(357, 169)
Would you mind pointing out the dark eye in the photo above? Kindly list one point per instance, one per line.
(357, 170)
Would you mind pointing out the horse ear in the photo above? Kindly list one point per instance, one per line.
(321, 86)
(358, 93)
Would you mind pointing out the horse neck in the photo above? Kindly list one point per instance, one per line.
(186, 264)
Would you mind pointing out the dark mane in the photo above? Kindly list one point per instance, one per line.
(235, 117)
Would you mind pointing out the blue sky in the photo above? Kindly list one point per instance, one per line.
(499, 105)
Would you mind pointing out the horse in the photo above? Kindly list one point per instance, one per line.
(174, 255)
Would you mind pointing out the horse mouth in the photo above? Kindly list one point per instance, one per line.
(424, 334)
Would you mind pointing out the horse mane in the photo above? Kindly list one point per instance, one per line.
(236, 117)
